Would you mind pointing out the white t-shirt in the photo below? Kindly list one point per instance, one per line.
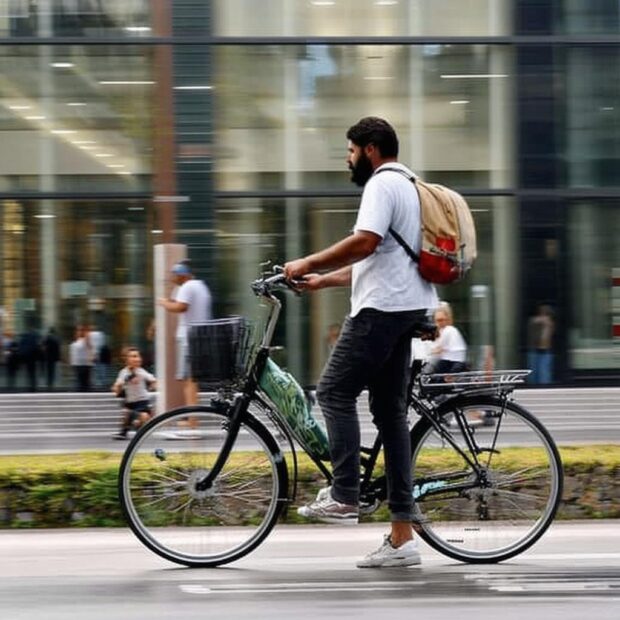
(388, 279)
(96, 340)
(136, 382)
(80, 353)
(197, 296)
(450, 345)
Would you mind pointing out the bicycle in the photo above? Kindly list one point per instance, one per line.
(211, 497)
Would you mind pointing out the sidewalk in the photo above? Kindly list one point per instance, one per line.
(71, 422)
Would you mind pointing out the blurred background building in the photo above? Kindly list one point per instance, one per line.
(221, 124)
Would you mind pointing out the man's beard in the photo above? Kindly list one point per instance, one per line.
(362, 171)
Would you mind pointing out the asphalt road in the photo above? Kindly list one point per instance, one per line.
(306, 572)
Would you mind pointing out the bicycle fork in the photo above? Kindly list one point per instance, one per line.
(239, 408)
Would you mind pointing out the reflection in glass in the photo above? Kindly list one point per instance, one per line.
(100, 257)
(282, 118)
(590, 16)
(70, 18)
(595, 285)
(78, 118)
(380, 18)
(593, 116)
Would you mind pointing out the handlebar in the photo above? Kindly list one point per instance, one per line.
(274, 281)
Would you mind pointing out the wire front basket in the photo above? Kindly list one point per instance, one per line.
(219, 351)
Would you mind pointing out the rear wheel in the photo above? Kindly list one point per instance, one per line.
(167, 511)
(504, 508)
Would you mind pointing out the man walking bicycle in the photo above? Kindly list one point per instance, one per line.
(388, 298)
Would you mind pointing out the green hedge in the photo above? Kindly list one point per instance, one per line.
(79, 490)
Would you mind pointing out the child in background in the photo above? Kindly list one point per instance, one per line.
(133, 384)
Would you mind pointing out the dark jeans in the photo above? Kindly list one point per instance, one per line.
(373, 351)
(82, 378)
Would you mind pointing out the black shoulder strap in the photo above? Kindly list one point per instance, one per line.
(412, 255)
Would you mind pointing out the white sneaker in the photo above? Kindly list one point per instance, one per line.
(386, 555)
(325, 508)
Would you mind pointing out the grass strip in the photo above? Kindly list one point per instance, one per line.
(81, 489)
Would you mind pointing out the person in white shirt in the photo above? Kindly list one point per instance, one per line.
(191, 299)
(449, 351)
(81, 359)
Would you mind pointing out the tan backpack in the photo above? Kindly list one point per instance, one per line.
(448, 233)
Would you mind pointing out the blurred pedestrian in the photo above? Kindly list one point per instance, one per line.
(132, 385)
(191, 300)
(11, 358)
(101, 359)
(540, 330)
(30, 354)
(149, 352)
(51, 356)
(449, 350)
(81, 359)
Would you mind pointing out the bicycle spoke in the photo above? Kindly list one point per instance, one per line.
(523, 496)
(519, 508)
(160, 476)
(166, 497)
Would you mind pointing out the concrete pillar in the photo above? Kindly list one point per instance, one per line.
(47, 210)
(170, 389)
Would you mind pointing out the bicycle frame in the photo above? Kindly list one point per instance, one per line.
(283, 400)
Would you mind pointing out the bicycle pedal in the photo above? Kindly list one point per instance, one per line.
(369, 508)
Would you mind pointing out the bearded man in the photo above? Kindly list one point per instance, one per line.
(389, 299)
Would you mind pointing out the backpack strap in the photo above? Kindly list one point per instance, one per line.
(412, 255)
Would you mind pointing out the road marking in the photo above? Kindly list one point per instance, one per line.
(545, 582)
(301, 587)
(572, 556)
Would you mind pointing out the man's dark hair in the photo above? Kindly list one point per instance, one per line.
(374, 130)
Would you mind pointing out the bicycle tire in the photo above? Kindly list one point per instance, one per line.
(196, 528)
(501, 517)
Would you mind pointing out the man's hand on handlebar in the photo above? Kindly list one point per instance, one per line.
(296, 269)
(309, 282)
(296, 272)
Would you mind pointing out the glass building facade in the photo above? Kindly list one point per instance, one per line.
(221, 125)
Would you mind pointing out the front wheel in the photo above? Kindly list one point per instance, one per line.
(496, 510)
(166, 509)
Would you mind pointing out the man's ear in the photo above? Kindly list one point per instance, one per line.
(369, 150)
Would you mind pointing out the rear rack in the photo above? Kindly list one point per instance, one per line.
(480, 379)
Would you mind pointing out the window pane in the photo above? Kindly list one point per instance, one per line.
(591, 16)
(360, 17)
(595, 285)
(593, 116)
(76, 118)
(69, 18)
(66, 264)
(282, 112)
